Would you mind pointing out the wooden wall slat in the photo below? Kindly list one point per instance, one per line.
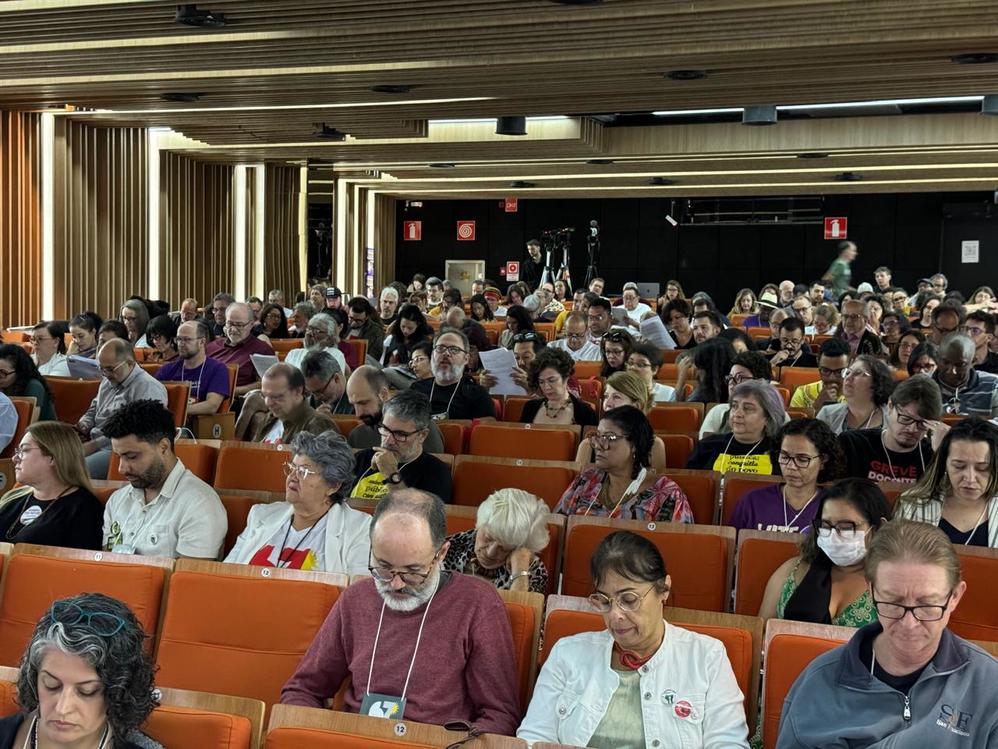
(282, 262)
(20, 218)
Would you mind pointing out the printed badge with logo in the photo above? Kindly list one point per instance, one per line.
(383, 706)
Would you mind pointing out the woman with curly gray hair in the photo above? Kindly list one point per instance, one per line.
(314, 529)
(85, 679)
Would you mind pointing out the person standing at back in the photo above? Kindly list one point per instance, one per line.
(839, 272)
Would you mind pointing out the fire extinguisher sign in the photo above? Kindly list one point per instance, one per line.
(835, 227)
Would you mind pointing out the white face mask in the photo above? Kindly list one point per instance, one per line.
(844, 549)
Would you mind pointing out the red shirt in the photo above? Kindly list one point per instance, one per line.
(221, 350)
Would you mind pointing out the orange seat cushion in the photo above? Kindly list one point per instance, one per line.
(8, 698)
(787, 657)
(474, 481)
(187, 726)
(976, 618)
(758, 559)
(514, 442)
(315, 738)
(521, 622)
(250, 468)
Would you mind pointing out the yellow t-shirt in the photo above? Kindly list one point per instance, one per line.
(805, 395)
(372, 486)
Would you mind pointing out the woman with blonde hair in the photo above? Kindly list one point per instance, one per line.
(56, 505)
(510, 531)
(745, 303)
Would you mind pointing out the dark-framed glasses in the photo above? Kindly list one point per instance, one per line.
(102, 623)
(604, 440)
(800, 460)
(906, 421)
(737, 379)
(826, 372)
(921, 613)
(397, 434)
(843, 527)
(385, 574)
(449, 350)
(629, 600)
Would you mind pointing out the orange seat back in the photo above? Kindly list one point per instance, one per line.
(521, 622)
(172, 725)
(758, 559)
(701, 490)
(250, 468)
(668, 371)
(786, 658)
(33, 582)
(591, 390)
(8, 698)
(346, 423)
(237, 509)
(238, 635)
(759, 332)
(453, 436)
(678, 448)
(317, 738)
(675, 418)
(513, 408)
(795, 377)
(25, 410)
(736, 486)
(546, 329)
(199, 458)
(586, 369)
(177, 394)
(698, 563)
(475, 480)
(976, 618)
(503, 441)
(286, 344)
(72, 398)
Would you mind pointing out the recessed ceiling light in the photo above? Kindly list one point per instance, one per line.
(599, 161)
(975, 58)
(328, 133)
(520, 184)
(849, 177)
(661, 181)
(812, 155)
(391, 88)
(189, 15)
(765, 115)
(184, 96)
(441, 165)
(511, 126)
(686, 75)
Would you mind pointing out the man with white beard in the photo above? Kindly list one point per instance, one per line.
(320, 335)
(453, 396)
(462, 669)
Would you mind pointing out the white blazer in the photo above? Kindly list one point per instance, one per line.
(348, 540)
(689, 694)
(932, 512)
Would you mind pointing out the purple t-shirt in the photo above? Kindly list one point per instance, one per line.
(211, 377)
(765, 510)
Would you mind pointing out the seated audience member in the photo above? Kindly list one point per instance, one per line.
(622, 484)
(576, 341)
(708, 364)
(363, 324)
(903, 681)
(301, 313)
(807, 453)
(368, 390)
(894, 325)
(435, 291)
(548, 375)
(273, 322)
(188, 311)
(625, 389)
(803, 310)
(867, 385)
(86, 679)
(740, 340)
(518, 320)
(321, 334)
(237, 345)
(632, 305)
(109, 330)
(219, 304)
(282, 410)
(599, 317)
(83, 330)
(980, 328)
(826, 319)
(526, 347)
(876, 305)
(603, 675)
(400, 461)
(645, 360)
(256, 304)
(209, 379)
(825, 583)
(122, 382)
(854, 333)
(325, 384)
(755, 417)
(313, 528)
(750, 365)
(958, 490)
(924, 303)
(478, 339)
(161, 334)
(947, 318)
(707, 324)
(55, 504)
(419, 360)
(776, 318)
(165, 511)
(768, 303)
(745, 303)
(510, 531)
(900, 451)
(409, 328)
(451, 394)
(334, 297)
(676, 316)
(8, 421)
(48, 340)
(833, 361)
(905, 345)
(615, 347)
(964, 390)
(19, 377)
(134, 315)
(388, 306)
(794, 352)
(465, 669)
(924, 359)
(480, 309)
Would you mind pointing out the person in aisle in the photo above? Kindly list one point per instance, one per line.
(756, 416)
(839, 273)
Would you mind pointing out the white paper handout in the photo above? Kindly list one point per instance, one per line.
(500, 362)
(263, 362)
(653, 330)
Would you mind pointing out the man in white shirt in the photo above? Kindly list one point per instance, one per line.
(166, 511)
(576, 341)
(633, 306)
(321, 334)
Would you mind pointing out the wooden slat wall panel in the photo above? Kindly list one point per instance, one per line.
(100, 229)
(384, 241)
(254, 285)
(197, 237)
(20, 219)
(282, 266)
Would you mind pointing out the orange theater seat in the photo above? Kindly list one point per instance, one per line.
(251, 467)
(8, 691)
(237, 509)
(453, 434)
(177, 394)
(681, 417)
(976, 618)
(38, 575)
(678, 448)
(475, 478)
(524, 611)
(25, 411)
(701, 489)
(760, 553)
(72, 398)
(795, 377)
(346, 423)
(187, 718)
(699, 558)
(591, 390)
(786, 657)
(284, 345)
(586, 369)
(668, 371)
(515, 441)
(513, 408)
(197, 457)
(232, 630)
(736, 486)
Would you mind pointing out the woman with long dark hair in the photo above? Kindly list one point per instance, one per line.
(408, 329)
(20, 377)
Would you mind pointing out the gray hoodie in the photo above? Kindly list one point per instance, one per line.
(836, 702)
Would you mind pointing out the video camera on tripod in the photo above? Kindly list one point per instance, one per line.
(553, 240)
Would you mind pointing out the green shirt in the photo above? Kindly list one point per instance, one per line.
(839, 273)
(622, 726)
(858, 613)
(35, 389)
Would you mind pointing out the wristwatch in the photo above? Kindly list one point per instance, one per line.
(395, 478)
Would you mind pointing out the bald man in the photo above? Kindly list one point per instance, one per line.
(964, 390)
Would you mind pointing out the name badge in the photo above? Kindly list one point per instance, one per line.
(123, 549)
(439, 417)
(383, 706)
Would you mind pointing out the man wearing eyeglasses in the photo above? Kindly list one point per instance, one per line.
(980, 326)
(363, 324)
(599, 318)
(833, 359)
(964, 390)
(948, 317)
(415, 642)
(804, 311)
(901, 450)
(122, 382)
(325, 384)
(451, 394)
(216, 313)
(209, 378)
(287, 409)
(368, 390)
(793, 351)
(854, 332)
(400, 462)
(238, 345)
(576, 342)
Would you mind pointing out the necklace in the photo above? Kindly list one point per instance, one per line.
(558, 410)
(32, 736)
(290, 557)
(787, 523)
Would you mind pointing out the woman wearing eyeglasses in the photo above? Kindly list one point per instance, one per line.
(924, 359)
(867, 387)
(48, 339)
(273, 322)
(905, 680)
(162, 336)
(622, 484)
(958, 490)
(807, 453)
(902, 348)
(86, 679)
(645, 360)
(615, 347)
(640, 682)
(624, 389)
(55, 506)
(749, 365)
(518, 320)
(314, 528)
(20, 377)
(548, 374)
(825, 583)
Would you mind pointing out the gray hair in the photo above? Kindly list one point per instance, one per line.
(332, 454)
(141, 314)
(389, 291)
(223, 296)
(409, 405)
(326, 322)
(305, 307)
(630, 286)
(320, 364)
(240, 307)
(453, 331)
(416, 503)
(768, 398)
(515, 518)
(957, 341)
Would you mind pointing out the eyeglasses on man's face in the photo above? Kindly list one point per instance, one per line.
(449, 350)
(385, 573)
(927, 612)
(397, 434)
(906, 420)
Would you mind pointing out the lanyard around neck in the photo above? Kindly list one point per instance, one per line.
(415, 650)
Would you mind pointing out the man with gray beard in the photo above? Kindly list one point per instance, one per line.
(453, 396)
(417, 643)
(321, 334)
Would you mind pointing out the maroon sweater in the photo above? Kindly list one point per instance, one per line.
(465, 668)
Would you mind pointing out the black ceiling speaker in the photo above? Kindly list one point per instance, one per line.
(189, 15)
(182, 96)
(326, 132)
(989, 105)
(520, 184)
(759, 115)
(661, 181)
(511, 126)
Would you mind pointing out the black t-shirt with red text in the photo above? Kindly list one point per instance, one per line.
(868, 458)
